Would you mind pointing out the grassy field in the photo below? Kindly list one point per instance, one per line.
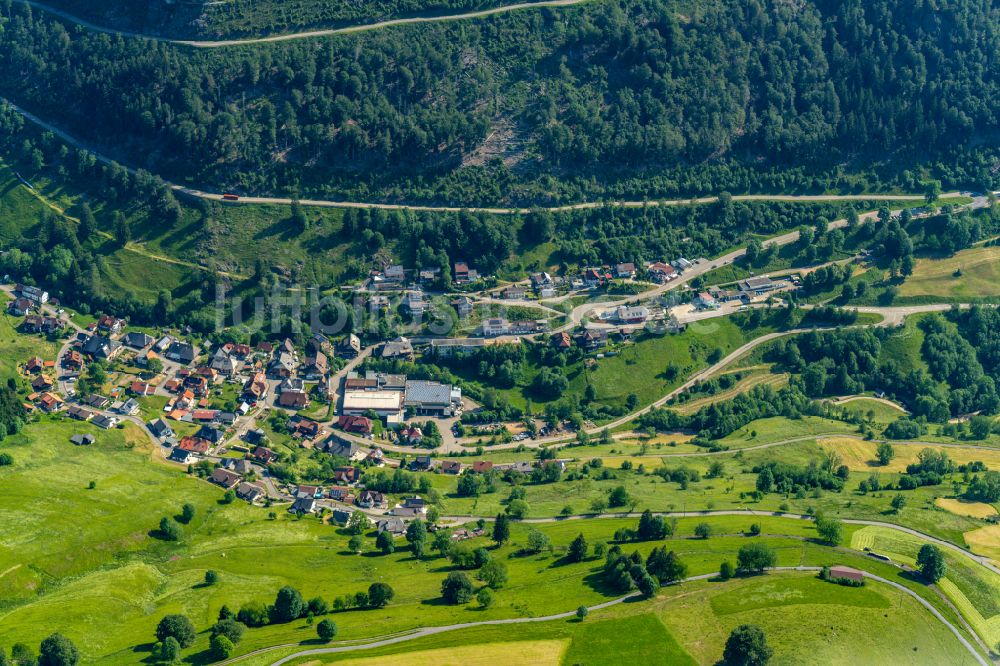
(112, 581)
(964, 508)
(859, 455)
(806, 621)
(971, 274)
(871, 409)
(974, 590)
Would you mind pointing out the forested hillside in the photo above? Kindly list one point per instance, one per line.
(642, 97)
(201, 19)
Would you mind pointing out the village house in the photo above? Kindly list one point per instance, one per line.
(401, 348)
(304, 428)
(224, 363)
(371, 499)
(514, 293)
(561, 340)
(631, 314)
(451, 467)
(225, 478)
(593, 338)
(160, 429)
(625, 270)
(110, 325)
(349, 347)
(72, 360)
(34, 294)
(195, 445)
(495, 326)
(293, 399)
(706, 301)
(316, 366)
(336, 446)
(661, 272)
(422, 464)
(415, 303)
(251, 492)
(463, 306)
(347, 476)
(256, 387)
(41, 324)
(105, 422)
(181, 352)
(102, 348)
(137, 340)
(303, 506)
(182, 456)
(263, 455)
(240, 466)
(361, 425)
(282, 365)
(482, 466)
(97, 401)
(41, 383)
(141, 388)
(83, 439)
(34, 365)
(20, 307)
(79, 413)
(392, 525)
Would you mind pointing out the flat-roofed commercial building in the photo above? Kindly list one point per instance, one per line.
(386, 404)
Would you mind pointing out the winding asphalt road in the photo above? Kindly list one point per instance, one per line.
(431, 631)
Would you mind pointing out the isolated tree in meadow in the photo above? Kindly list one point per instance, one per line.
(582, 612)
(456, 588)
(357, 523)
(726, 570)
(830, 530)
(577, 551)
(885, 453)
(931, 563)
(187, 513)
(355, 543)
(229, 628)
(703, 530)
(493, 573)
(385, 543)
(485, 598)
(755, 557)
(501, 529)
(221, 647)
(326, 629)
(57, 650)
(288, 605)
(169, 530)
(537, 541)
(211, 577)
(747, 646)
(380, 594)
(169, 650)
(898, 502)
(178, 627)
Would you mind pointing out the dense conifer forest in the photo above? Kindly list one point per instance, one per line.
(641, 98)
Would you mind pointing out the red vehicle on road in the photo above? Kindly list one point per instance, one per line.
(230, 197)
